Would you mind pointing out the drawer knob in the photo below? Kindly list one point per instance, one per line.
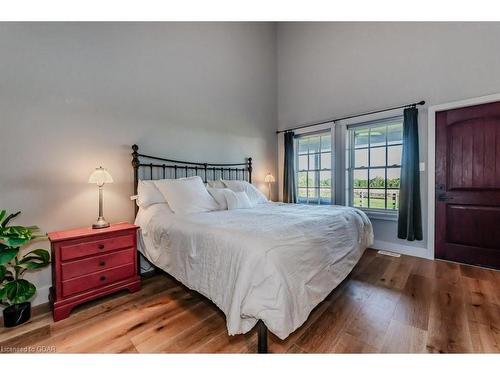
(101, 246)
(103, 278)
(102, 263)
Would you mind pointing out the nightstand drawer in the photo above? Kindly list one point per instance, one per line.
(82, 249)
(97, 279)
(97, 263)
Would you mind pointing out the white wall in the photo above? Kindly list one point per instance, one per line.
(333, 69)
(76, 96)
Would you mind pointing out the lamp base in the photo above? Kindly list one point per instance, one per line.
(100, 223)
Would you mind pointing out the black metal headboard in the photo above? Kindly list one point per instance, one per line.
(147, 167)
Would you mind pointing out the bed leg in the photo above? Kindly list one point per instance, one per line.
(262, 337)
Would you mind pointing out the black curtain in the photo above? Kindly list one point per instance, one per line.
(289, 170)
(410, 211)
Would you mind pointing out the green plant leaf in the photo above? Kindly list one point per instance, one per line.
(15, 236)
(3, 272)
(8, 276)
(9, 218)
(2, 296)
(33, 265)
(7, 254)
(2, 214)
(35, 259)
(41, 254)
(19, 291)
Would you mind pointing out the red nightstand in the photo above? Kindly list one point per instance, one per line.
(90, 263)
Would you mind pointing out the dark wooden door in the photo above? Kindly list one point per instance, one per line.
(468, 185)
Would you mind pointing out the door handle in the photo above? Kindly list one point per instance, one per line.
(444, 198)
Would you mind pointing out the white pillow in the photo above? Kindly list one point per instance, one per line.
(218, 195)
(148, 194)
(237, 199)
(253, 193)
(187, 195)
(218, 184)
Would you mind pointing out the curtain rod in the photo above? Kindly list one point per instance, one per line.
(422, 102)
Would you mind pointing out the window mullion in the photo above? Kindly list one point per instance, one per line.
(385, 169)
(369, 165)
(318, 156)
(307, 175)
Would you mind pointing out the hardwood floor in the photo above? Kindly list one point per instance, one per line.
(387, 305)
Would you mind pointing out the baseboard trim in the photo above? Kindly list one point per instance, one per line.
(419, 252)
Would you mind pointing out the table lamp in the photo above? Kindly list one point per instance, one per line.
(269, 179)
(100, 177)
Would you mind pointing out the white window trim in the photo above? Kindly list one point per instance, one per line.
(378, 214)
(372, 213)
(308, 133)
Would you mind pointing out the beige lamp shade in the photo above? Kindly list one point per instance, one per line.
(269, 178)
(100, 177)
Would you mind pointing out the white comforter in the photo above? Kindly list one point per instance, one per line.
(274, 262)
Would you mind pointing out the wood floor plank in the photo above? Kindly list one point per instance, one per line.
(397, 273)
(370, 325)
(382, 297)
(373, 270)
(350, 344)
(479, 291)
(414, 304)
(485, 313)
(404, 338)
(480, 298)
(478, 273)
(160, 336)
(295, 349)
(223, 343)
(448, 326)
(424, 268)
(484, 338)
(448, 278)
(196, 336)
(321, 336)
(447, 271)
(277, 345)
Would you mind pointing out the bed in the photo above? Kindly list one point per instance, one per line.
(269, 265)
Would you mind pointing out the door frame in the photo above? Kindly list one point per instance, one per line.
(431, 159)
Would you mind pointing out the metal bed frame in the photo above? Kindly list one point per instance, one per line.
(148, 167)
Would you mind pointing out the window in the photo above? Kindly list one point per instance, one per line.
(374, 155)
(314, 168)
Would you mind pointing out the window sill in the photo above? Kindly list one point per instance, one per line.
(380, 214)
